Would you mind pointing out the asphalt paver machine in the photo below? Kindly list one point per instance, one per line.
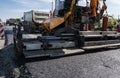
(71, 28)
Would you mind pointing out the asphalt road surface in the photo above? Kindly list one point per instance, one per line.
(94, 65)
(101, 64)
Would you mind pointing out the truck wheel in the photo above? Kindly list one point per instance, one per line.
(14, 40)
(19, 51)
(20, 56)
(15, 46)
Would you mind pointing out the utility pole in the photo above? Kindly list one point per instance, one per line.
(52, 5)
(118, 18)
(87, 3)
(52, 8)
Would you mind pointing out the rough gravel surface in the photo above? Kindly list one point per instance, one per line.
(2, 73)
(8, 61)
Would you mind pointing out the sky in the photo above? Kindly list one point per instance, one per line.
(16, 8)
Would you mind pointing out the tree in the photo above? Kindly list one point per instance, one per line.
(18, 19)
(0, 20)
(112, 23)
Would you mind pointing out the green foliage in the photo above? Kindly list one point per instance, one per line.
(112, 22)
(0, 20)
(18, 19)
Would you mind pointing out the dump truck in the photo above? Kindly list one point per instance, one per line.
(69, 31)
(11, 21)
(32, 20)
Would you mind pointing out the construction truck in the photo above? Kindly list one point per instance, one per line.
(11, 21)
(70, 29)
(32, 20)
